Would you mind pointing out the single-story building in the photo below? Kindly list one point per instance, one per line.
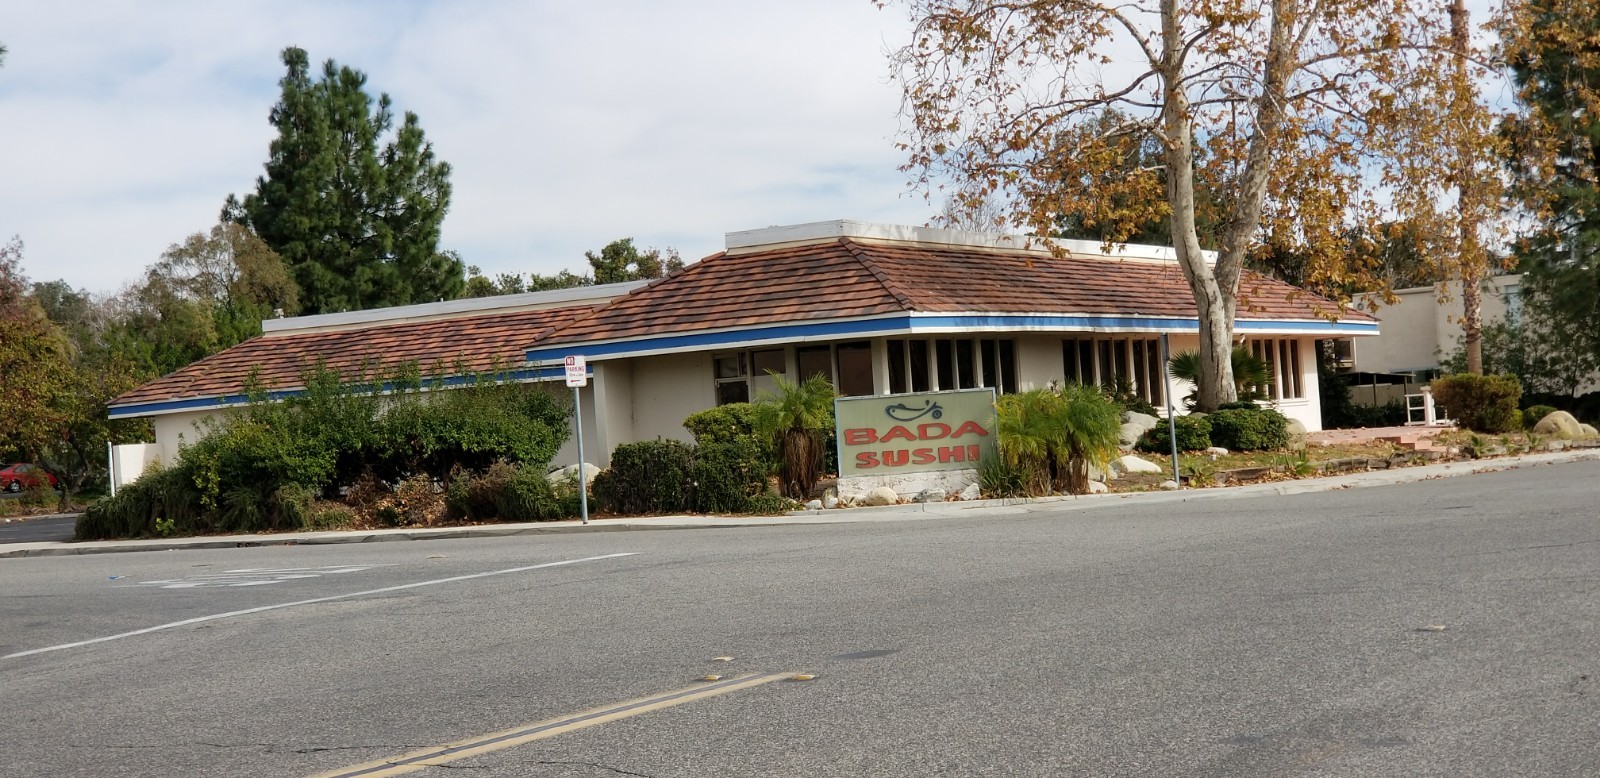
(878, 309)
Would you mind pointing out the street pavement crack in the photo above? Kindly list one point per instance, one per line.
(597, 766)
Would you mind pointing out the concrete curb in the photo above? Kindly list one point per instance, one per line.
(910, 512)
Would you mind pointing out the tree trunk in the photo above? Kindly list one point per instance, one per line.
(1472, 319)
(1213, 303)
(1466, 239)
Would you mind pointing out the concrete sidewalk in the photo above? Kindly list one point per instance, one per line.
(912, 512)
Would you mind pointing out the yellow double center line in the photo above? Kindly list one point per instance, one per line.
(511, 738)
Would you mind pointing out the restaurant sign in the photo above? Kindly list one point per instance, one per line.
(914, 433)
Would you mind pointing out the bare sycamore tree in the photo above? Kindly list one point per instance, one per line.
(1307, 121)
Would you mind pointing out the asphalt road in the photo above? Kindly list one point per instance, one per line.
(1443, 628)
(45, 529)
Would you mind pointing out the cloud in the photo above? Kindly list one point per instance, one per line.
(567, 125)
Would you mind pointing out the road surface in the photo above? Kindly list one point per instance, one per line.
(1443, 628)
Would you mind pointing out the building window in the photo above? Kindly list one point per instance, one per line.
(742, 375)
(1131, 364)
(854, 362)
(952, 363)
(1282, 355)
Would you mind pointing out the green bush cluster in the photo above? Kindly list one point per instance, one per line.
(667, 476)
(510, 492)
(1533, 414)
(1194, 434)
(259, 468)
(1252, 429)
(1482, 403)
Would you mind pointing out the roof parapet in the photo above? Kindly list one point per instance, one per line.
(476, 306)
(746, 241)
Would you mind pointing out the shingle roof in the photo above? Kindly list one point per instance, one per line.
(847, 278)
(477, 342)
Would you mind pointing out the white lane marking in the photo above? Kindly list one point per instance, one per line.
(264, 608)
(252, 576)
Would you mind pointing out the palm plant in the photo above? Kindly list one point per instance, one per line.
(1053, 437)
(1091, 426)
(796, 417)
(1250, 373)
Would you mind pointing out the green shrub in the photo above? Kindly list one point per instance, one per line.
(528, 496)
(998, 477)
(470, 427)
(1257, 429)
(1239, 405)
(723, 424)
(652, 476)
(1533, 414)
(1480, 403)
(1390, 414)
(160, 493)
(769, 504)
(1194, 434)
(727, 475)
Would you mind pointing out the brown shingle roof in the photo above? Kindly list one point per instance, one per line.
(477, 342)
(849, 279)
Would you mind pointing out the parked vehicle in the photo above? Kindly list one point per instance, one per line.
(15, 478)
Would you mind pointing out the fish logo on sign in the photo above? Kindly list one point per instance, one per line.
(903, 412)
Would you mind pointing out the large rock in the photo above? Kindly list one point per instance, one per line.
(1095, 487)
(569, 474)
(931, 495)
(1130, 435)
(1169, 485)
(1588, 431)
(972, 492)
(882, 495)
(814, 505)
(1096, 474)
(1559, 424)
(1143, 420)
(1133, 464)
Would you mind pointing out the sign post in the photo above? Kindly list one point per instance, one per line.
(578, 376)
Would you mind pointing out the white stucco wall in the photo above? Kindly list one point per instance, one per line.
(666, 389)
(592, 448)
(176, 429)
(1417, 329)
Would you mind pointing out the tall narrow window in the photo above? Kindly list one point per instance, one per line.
(919, 366)
(966, 378)
(855, 369)
(944, 354)
(897, 367)
(814, 361)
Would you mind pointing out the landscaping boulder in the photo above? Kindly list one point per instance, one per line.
(829, 501)
(1129, 435)
(972, 492)
(1095, 487)
(814, 505)
(570, 474)
(1144, 420)
(1169, 484)
(1133, 464)
(1218, 450)
(931, 495)
(1096, 474)
(1588, 431)
(882, 495)
(1297, 434)
(1559, 424)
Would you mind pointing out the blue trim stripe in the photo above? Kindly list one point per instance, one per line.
(912, 325)
(226, 401)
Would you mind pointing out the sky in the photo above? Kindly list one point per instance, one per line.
(124, 125)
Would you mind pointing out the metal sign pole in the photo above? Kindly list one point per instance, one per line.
(578, 376)
(1172, 423)
(583, 481)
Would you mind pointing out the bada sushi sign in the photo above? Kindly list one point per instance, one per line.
(915, 433)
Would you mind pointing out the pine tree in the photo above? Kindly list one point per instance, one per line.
(357, 222)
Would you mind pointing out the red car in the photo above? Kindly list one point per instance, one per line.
(15, 478)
